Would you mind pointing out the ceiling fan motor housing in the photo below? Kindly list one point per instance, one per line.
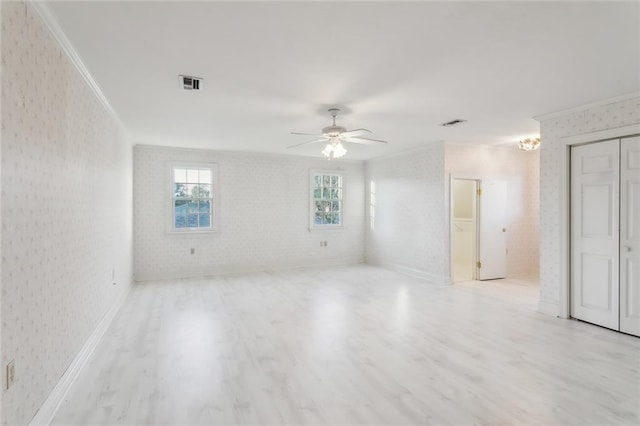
(333, 131)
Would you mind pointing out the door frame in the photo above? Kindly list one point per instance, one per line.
(565, 203)
(452, 177)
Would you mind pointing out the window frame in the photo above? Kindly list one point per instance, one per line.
(215, 210)
(326, 172)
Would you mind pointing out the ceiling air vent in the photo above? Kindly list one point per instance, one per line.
(453, 122)
(190, 83)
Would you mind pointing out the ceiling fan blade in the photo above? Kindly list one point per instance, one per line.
(355, 131)
(307, 143)
(305, 134)
(365, 141)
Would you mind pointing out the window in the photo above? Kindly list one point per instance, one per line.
(192, 200)
(326, 207)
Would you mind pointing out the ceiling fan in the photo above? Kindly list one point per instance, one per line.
(334, 135)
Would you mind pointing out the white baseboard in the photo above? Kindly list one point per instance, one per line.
(416, 273)
(48, 410)
(142, 277)
(548, 308)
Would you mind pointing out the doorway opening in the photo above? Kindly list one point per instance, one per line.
(464, 229)
(478, 229)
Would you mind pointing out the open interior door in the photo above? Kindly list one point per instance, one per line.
(492, 235)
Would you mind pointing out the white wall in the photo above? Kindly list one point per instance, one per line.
(264, 217)
(521, 172)
(66, 211)
(553, 129)
(407, 231)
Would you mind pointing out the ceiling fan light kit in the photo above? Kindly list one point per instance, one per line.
(529, 144)
(334, 149)
(335, 135)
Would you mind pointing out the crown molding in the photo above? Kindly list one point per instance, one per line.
(44, 12)
(602, 135)
(603, 102)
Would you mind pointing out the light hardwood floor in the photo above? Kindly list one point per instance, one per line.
(351, 345)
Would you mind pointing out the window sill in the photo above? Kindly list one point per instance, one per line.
(193, 232)
(327, 228)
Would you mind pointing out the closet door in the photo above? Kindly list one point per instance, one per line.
(630, 235)
(594, 233)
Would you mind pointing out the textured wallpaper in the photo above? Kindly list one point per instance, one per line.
(66, 211)
(406, 226)
(264, 215)
(552, 130)
(521, 172)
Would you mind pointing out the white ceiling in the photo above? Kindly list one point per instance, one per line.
(399, 69)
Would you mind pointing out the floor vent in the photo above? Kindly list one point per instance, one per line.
(190, 83)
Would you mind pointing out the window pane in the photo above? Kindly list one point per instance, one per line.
(205, 221)
(201, 191)
(192, 207)
(191, 187)
(204, 206)
(192, 220)
(192, 175)
(327, 199)
(205, 176)
(179, 175)
(192, 197)
(180, 221)
(179, 190)
(179, 212)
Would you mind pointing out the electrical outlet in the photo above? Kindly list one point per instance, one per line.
(193, 250)
(326, 243)
(11, 373)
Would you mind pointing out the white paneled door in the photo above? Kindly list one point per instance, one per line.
(630, 235)
(492, 241)
(605, 234)
(594, 233)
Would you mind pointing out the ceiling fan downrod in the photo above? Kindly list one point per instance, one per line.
(334, 113)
